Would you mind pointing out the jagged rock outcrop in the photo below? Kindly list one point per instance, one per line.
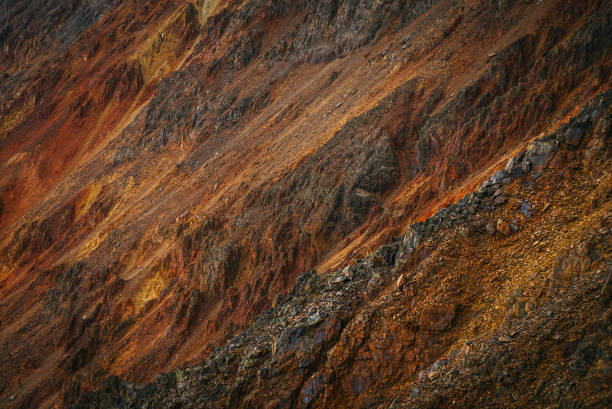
(362, 337)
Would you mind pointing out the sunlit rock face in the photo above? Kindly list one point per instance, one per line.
(361, 203)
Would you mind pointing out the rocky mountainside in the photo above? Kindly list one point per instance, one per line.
(399, 203)
(414, 325)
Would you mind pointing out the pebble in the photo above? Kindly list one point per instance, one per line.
(339, 279)
(503, 227)
(438, 364)
(314, 319)
(525, 209)
(499, 200)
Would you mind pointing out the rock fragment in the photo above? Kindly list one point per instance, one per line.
(503, 227)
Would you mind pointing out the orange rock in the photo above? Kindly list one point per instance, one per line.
(503, 227)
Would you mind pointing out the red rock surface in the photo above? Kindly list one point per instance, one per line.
(169, 167)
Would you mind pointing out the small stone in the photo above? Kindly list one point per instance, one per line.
(499, 200)
(340, 279)
(490, 227)
(439, 364)
(526, 209)
(503, 227)
(314, 319)
(525, 166)
(513, 167)
(433, 375)
(498, 176)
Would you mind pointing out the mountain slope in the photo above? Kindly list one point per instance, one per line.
(415, 324)
(170, 167)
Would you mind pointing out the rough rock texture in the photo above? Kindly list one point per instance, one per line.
(169, 169)
(530, 327)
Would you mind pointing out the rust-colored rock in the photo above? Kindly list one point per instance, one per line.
(503, 227)
(170, 169)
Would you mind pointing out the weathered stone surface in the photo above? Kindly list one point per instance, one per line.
(331, 347)
(171, 168)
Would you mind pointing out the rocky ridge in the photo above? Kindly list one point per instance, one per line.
(398, 328)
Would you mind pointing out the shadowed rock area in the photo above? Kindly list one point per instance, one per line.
(305, 203)
(409, 327)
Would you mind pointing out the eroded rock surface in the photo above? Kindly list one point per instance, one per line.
(170, 168)
(530, 327)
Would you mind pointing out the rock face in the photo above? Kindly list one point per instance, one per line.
(371, 335)
(170, 169)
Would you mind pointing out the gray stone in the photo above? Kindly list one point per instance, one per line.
(525, 209)
(573, 137)
(439, 364)
(539, 153)
(525, 165)
(513, 166)
(340, 279)
(412, 238)
(499, 176)
(499, 200)
(314, 319)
